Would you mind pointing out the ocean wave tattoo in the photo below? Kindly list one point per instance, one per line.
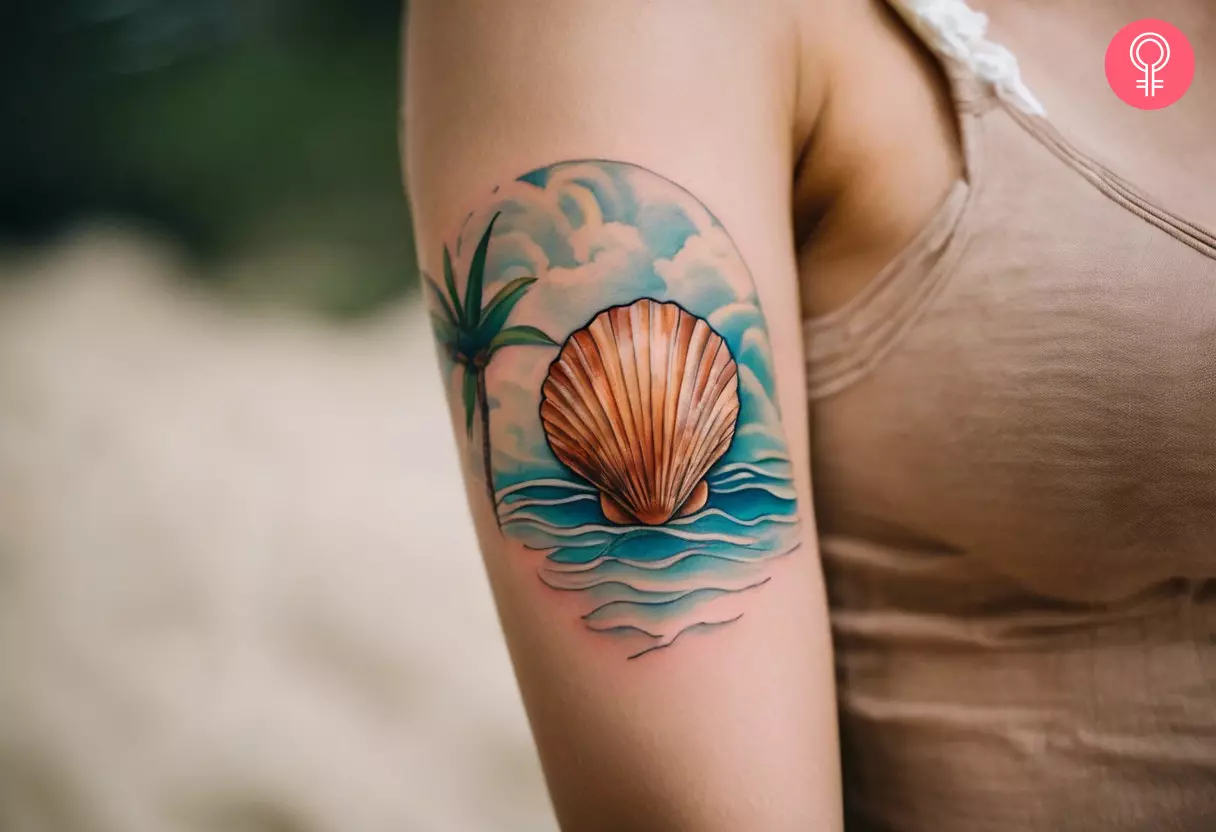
(604, 342)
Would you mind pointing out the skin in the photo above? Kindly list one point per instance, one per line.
(737, 730)
(822, 136)
(728, 732)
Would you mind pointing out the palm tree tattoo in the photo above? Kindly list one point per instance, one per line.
(471, 335)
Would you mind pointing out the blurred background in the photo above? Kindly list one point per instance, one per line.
(239, 589)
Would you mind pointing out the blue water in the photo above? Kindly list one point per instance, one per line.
(647, 585)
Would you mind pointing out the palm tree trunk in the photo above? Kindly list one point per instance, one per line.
(483, 403)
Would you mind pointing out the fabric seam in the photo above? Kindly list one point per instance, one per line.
(1114, 186)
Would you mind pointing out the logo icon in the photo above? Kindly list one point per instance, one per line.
(1150, 83)
(1150, 64)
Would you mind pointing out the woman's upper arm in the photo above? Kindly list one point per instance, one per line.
(601, 197)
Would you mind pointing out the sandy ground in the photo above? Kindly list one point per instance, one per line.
(238, 586)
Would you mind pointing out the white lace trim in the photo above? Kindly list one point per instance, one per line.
(955, 30)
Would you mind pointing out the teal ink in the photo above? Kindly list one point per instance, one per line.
(633, 298)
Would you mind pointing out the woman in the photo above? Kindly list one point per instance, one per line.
(696, 268)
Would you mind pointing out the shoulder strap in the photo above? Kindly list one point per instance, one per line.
(955, 31)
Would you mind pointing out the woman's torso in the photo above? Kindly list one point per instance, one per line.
(1011, 357)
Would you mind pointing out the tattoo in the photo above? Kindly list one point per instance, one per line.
(635, 445)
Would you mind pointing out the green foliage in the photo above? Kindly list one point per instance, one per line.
(494, 316)
(519, 336)
(260, 135)
(449, 280)
(470, 333)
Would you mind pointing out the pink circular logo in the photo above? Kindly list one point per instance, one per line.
(1150, 64)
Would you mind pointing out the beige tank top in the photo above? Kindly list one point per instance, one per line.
(1014, 450)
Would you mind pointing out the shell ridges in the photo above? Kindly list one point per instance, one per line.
(641, 403)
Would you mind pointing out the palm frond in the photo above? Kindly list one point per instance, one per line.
(519, 336)
(494, 316)
(477, 273)
(444, 305)
(449, 280)
(445, 331)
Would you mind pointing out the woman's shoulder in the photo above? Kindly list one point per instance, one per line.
(877, 154)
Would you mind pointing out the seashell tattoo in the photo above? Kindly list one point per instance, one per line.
(610, 367)
(641, 403)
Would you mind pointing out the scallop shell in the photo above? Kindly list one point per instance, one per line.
(641, 403)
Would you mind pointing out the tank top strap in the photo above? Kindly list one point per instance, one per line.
(844, 345)
(978, 66)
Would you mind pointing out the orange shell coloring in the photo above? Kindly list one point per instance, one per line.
(641, 403)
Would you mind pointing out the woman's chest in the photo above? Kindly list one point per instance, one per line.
(1062, 46)
(887, 149)
(1041, 392)
(1033, 377)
